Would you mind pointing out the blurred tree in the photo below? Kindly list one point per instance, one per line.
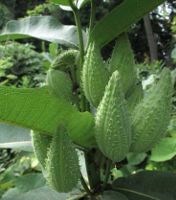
(24, 5)
(161, 19)
(5, 15)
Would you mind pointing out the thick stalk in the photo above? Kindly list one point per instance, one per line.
(92, 15)
(79, 29)
(92, 171)
(81, 47)
(107, 173)
(92, 18)
(151, 39)
(85, 185)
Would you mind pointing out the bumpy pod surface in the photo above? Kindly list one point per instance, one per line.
(112, 124)
(123, 60)
(151, 117)
(59, 84)
(135, 97)
(94, 75)
(41, 143)
(62, 164)
(65, 60)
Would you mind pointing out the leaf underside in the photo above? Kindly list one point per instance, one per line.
(41, 27)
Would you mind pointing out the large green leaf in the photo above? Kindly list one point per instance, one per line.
(29, 182)
(42, 193)
(39, 110)
(164, 150)
(120, 19)
(23, 184)
(148, 185)
(15, 137)
(40, 27)
(136, 158)
(111, 195)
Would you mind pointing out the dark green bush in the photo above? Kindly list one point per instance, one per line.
(21, 65)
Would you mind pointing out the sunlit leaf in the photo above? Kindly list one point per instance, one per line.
(120, 19)
(39, 110)
(164, 150)
(136, 158)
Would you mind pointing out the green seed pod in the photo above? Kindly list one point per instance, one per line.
(59, 84)
(94, 75)
(62, 164)
(135, 97)
(112, 125)
(123, 60)
(151, 117)
(41, 143)
(65, 60)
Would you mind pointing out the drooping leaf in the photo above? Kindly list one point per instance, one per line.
(164, 150)
(148, 185)
(15, 137)
(39, 110)
(41, 27)
(120, 19)
(32, 108)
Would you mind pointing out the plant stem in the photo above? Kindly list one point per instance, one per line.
(92, 17)
(79, 29)
(93, 173)
(81, 46)
(87, 189)
(152, 43)
(107, 173)
(85, 185)
(93, 170)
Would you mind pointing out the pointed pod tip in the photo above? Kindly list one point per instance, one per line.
(165, 71)
(115, 75)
